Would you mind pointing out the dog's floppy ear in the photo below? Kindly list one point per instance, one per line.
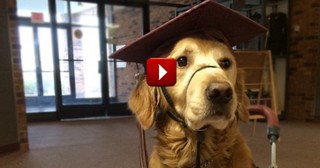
(243, 101)
(143, 101)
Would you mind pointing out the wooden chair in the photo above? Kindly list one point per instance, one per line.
(259, 80)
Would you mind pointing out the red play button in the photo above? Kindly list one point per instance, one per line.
(161, 71)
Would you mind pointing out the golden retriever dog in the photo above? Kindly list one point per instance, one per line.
(208, 97)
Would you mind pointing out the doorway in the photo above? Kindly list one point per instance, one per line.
(79, 57)
(66, 69)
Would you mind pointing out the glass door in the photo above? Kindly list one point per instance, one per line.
(79, 59)
(79, 68)
(37, 65)
(37, 59)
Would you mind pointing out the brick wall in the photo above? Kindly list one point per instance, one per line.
(15, 62)
(304, 49)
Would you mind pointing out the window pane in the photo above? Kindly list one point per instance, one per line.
(45, 45)
(48, 84)
(84, 13)
(28, 56)
(30, 84)
(65, 83)
(64, 66)
(88, 80)
(87, 51)
(112, 80)
(62, 11)
(64, 62)
(87, 47)
(63, 44)
(26, 7)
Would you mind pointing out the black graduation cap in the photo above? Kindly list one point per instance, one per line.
(209, 16)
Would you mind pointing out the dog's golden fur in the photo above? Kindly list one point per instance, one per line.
(224, 146)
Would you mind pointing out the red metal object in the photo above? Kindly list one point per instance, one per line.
(266, 111)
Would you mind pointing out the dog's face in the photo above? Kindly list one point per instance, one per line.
(206, 75)
(207, 89)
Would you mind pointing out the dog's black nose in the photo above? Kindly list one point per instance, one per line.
(219, 93)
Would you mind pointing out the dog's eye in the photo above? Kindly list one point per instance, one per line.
(225, 63)
(182, 61)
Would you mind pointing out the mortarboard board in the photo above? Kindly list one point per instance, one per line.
(219, 21)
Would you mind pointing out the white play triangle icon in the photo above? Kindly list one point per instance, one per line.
(162, 72)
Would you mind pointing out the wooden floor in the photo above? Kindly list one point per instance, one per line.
(113, 143)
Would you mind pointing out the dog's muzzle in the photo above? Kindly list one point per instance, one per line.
(219, 93)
